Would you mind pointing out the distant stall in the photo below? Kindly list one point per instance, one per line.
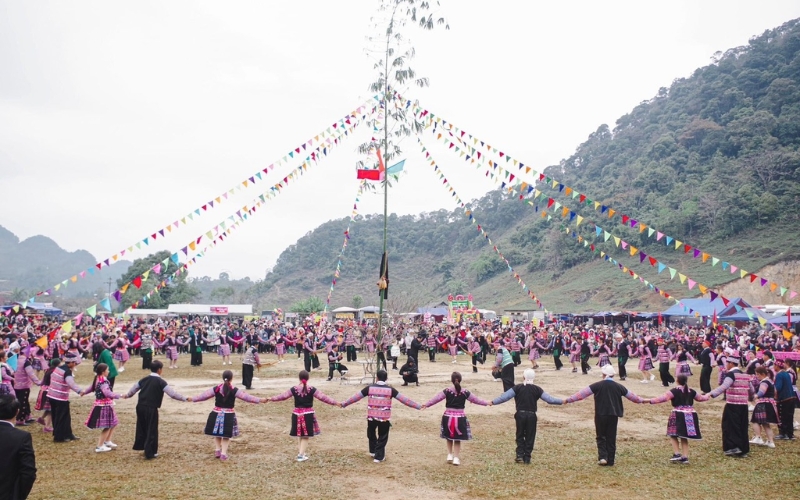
(211, 310)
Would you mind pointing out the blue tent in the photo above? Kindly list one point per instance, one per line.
(705, 307)
(781, 320)
(742, 315)
(37, 308)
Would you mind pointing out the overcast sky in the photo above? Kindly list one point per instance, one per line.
(117, 118)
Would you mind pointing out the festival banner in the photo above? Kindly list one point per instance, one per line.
(469, 152)
(468, 213)
(347, 234)
(343, 128)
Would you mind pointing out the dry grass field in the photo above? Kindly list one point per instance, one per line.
(262, 459)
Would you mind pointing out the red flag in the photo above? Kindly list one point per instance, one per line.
(370, 175)
(714, 319)
(789, 318)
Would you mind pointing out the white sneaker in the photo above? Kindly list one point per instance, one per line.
(302, 458)
(645, 382)
(121, 370)
(769, 444)
(456, 461)
(751, 408)
(652, 377)
(449, 457)
(757, 440)
(102, 449)
(109, 444)
(796, 425)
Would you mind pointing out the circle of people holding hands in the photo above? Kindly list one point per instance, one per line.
(754, 366)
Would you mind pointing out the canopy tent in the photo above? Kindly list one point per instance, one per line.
(782, 320)
(146, 312)
(345, 310)
(370, 309)
(755, 314)
(37, 308)
(705, 307)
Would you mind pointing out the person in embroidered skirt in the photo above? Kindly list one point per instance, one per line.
(102, 415)
(379, 413)
(645, 361)
(224, 348)
(222, 424)
(525, 396)
(683, 423)
(533, 346)
(120, 348)
(766, 411)
(170, 346)
(574, 354)
(604, 351)
(24, 378)
(6, 376)
(455, 427)
(42, 402)
(683, 357)
(608, 410)
(737, 389)
(304, 420)
(664, 355)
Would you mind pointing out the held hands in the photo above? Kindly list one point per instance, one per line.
(189, 400)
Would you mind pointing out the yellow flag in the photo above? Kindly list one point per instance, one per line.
(42, 342)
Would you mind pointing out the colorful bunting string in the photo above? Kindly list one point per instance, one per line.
(347, 235)
(350, 122)
(506, 178)
(468, 213)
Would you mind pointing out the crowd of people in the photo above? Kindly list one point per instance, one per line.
(757, 374)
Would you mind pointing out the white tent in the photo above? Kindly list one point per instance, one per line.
(344, 310)
(212, 310)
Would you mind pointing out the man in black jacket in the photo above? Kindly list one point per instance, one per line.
(525, 396)
(607, 412)
(706, 359)
(17, 460)
(151, 391)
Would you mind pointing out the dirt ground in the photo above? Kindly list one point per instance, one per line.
(262, 459)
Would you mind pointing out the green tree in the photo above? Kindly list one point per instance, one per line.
(222, 294)
(178, 291)
(19, 294)
(357, 301)
(308, 306)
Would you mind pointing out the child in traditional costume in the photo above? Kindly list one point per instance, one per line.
(683, 423)
(304, 420)
(42, 402)
(455, 427)
(222, 424)
(766, 410)
(102, 415)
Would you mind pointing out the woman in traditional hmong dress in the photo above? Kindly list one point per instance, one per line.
(222, 424)
(304, 420)
(645, 361)
(574, 353)
(455, 427)
(121, 354)
(604, 351)
(683, 423)
(42, 402)
(102, 415)
(766, 410)
(683, 357)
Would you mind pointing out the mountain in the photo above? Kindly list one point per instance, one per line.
(712, 160)
(38, 263)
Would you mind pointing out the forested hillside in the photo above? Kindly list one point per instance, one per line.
(712, 159)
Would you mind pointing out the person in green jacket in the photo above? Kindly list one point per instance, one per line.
(103, 355)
